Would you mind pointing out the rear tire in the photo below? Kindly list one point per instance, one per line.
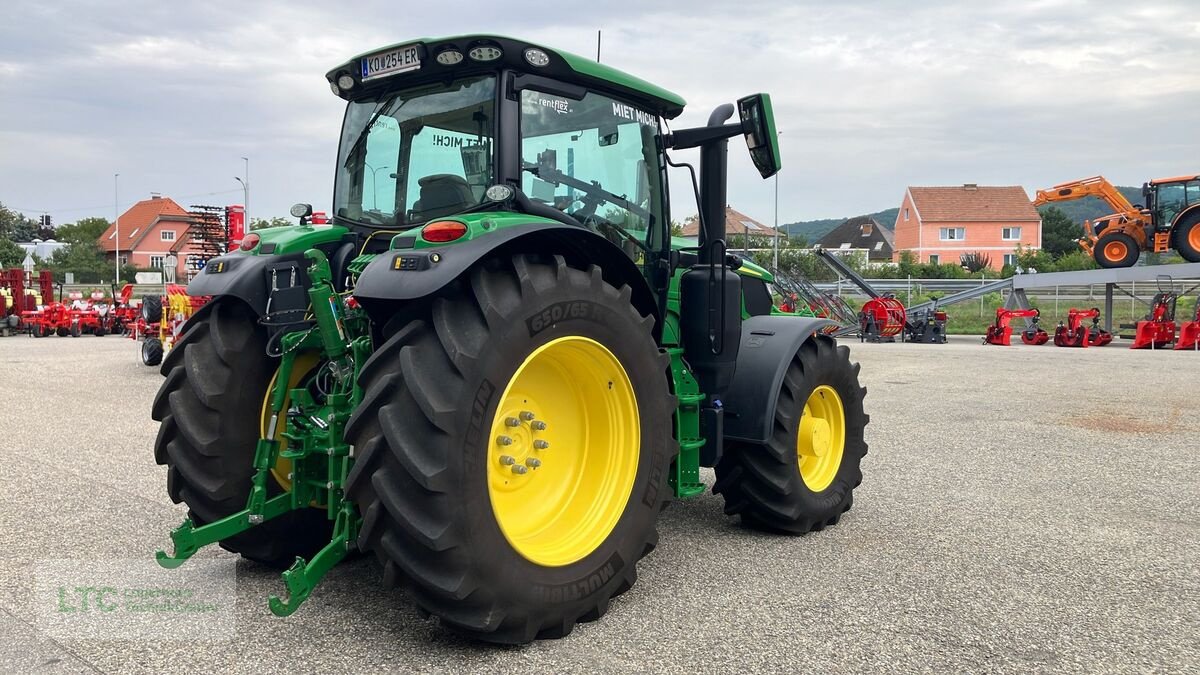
(1187, 239)
(765, 483)
(1116, 250)
(216, 376)
(426, 475)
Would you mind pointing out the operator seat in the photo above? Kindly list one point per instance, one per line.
(441, 195)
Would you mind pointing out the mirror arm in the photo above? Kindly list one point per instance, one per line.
(698, 136)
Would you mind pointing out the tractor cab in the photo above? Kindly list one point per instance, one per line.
(431, 125)
(1166, 198)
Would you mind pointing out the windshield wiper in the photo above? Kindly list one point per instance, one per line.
(559, 178)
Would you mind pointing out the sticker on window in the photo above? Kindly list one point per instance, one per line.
(631, 113)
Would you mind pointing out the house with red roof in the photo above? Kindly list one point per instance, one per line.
(941, 224)
(736, 223)
(150, 233)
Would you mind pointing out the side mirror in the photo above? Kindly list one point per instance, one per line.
(608, 135)
(547, 161)
(758, 124)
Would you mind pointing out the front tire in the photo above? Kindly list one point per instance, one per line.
(1116, 250)
(472, 538)
(152, 351)
(803, 478)
(209, 405)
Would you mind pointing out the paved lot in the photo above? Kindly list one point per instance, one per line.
(1024, 509)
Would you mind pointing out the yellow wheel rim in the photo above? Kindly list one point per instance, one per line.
(563, 451)
(301, 368)
(821, 438)
(1115, 251)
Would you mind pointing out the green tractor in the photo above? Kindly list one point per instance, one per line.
(495, 368)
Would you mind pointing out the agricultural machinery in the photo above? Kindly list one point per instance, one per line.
(1074, 333)
(801, 297)
(76, 317)
(881, 319)
(1169, 218)
(1157, 330)
(492, 369)
(1189, 331)
(21, 294)
(159, 320)
(1000, 331)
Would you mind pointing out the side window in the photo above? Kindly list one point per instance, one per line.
(596, 159)
(440, 152)
(379, 166)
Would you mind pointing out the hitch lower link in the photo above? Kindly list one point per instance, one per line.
(320, 458)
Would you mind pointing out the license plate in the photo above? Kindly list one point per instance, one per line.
(391, 62)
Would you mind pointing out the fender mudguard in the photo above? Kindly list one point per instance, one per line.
(241, 276)
(401, 275)
(768, 344)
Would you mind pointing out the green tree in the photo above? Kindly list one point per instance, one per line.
(11, 255)
(1059, 232)
(83, 257)
(277, 221)
(83, 230)
(1032, 259)
(15, 226)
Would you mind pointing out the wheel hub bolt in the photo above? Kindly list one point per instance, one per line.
(541, 445)
(539, 426)
(526, 415)
(512, 421)
(504, 440)
(533, 462)
(507, 460)
(518, 469)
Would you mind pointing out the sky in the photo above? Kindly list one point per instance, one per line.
(870, 97)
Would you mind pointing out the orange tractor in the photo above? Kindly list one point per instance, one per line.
(1169, 219)
(1000, 332)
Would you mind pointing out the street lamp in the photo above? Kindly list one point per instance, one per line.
(116, 231)
(245, 200)
(780, 133)
(246, 190)
(374, 189)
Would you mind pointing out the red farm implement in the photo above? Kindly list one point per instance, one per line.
(1074, 333)
(1000, 332)
(881, 319)
(76, 318)
(21, 294)
(161, 320)
(1189, 331)
(1157, 330)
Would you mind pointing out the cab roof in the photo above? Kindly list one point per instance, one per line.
(561, 65)
(1173, 179)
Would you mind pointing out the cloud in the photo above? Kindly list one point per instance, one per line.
(871, 96)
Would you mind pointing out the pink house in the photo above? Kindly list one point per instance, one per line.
(151, 232)
(941, 224)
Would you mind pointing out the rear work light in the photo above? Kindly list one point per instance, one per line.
(249, 242)
(441, 231)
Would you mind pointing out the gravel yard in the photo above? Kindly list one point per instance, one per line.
(1023, 509)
